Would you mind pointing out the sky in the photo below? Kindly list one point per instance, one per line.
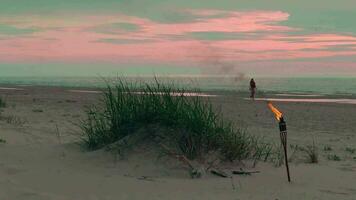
(178, 37)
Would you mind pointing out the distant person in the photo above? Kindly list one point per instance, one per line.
(252, 88)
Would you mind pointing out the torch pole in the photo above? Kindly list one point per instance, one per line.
(283, 135)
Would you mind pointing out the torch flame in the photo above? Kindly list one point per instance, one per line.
(277, 113)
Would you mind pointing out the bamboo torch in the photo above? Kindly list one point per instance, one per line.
(283, 133)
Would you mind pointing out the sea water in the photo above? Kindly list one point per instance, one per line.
(277, 85)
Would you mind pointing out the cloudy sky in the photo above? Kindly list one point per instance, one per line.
(184, 37)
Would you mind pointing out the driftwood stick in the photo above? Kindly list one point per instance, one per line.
(244, 172)
(219, 173)
(58, 135)
(145, 178)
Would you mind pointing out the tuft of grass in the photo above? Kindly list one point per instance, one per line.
(276, 156)
(2, 103)
(311, 153)
(350, 150)
(334, 157)
(198, 130)
(308, 153)
(327, 148)
(2, 141)
(37, 110)
(12, 119)
(70, 101)
(295, 152)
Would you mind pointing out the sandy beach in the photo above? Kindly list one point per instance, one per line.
(42, 158)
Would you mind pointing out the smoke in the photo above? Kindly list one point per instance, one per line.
(240, 77)
(215, 62)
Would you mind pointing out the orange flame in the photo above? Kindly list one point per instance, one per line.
(275, 111)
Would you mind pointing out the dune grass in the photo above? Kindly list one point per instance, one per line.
(311, 153)
(333, 157)
(197, 129)
(350, 150)
(13, 119)
(2, 103)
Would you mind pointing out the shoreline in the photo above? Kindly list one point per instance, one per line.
(297, 97)
(269, 85)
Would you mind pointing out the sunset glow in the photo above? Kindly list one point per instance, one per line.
(205, 39)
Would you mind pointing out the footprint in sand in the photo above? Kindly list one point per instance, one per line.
(334, 192)
(348, 168)
(11, 170)
(30, 196)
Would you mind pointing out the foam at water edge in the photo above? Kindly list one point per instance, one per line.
(342, 101)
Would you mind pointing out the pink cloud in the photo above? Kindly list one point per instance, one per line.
(74, 42)
(206, 12)
(238, 22)
(315, 37)
(291, 69)
(75, 46)
(277, 45)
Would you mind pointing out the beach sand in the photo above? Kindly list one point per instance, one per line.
(41, 158)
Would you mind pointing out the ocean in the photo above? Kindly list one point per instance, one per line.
(329, 86)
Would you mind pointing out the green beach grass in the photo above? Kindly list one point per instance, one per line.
(195, 129)
(2, 103)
